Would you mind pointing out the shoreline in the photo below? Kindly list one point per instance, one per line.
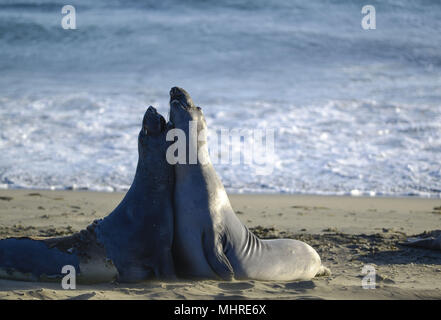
(257, 193)
(348, 232)
(350, 214)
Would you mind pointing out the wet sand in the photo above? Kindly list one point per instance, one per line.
(348, 233)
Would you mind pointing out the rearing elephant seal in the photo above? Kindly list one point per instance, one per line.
(131, 244)
(210, 241)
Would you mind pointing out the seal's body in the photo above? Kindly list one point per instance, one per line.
(131, 244)
(138, 234)
(426, 243)
(210, 241)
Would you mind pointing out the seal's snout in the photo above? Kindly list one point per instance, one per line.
(181, 96)
(153, 122)
(175, 91)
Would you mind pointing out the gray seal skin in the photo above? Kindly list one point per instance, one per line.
(133, 243)
(426, 243)
(210, 240)
(138, 234)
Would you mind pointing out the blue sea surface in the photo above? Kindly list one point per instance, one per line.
(354, 111)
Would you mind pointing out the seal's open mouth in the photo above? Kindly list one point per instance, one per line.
(180, 96)
(153, 122)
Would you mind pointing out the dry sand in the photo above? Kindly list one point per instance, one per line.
(348, 232)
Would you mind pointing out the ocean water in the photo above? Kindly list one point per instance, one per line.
(354, 111)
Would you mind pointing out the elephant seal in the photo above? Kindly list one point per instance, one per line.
(426, 243)
(210, 240)
(133, 243)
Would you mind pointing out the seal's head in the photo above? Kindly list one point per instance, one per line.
(153, 123)
(152, 134)
(183, 110)
(186, 116)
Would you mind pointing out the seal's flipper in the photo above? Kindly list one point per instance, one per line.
(323, 271)
(33, 260)
(216, 258)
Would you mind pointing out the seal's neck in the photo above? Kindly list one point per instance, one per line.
(143, 177)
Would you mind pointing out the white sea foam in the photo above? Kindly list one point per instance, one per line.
(354, 111)
(341, 147)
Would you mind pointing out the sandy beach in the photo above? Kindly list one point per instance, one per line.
(347, 232)
(293, 100)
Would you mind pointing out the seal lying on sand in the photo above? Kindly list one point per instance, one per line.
(131, 244)
(210, 241)
(427, 243)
